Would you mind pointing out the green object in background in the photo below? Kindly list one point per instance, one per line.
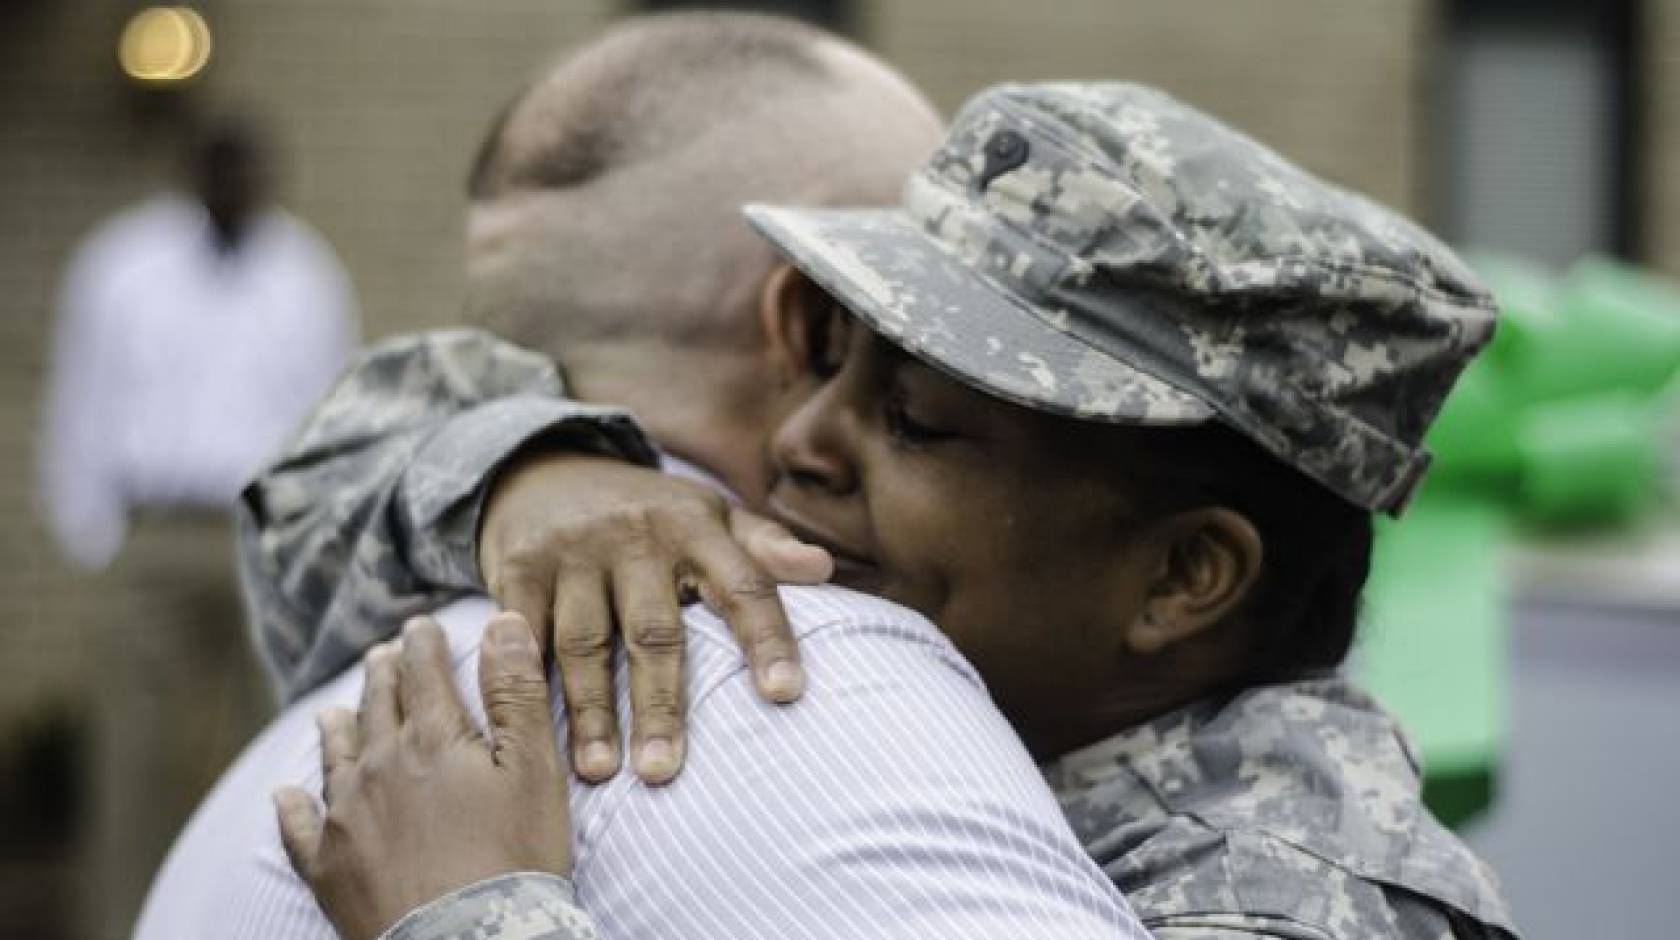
(1588, 459)
(1610, 326)
(1562, 422)
(1432, 643)
(1474, 439)
(1559, 419)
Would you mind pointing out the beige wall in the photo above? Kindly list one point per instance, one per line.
(1334, 84)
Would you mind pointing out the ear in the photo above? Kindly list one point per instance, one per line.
(1208, 561)
(796, 316)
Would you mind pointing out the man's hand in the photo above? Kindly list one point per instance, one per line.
(418, 802)
(582, 546)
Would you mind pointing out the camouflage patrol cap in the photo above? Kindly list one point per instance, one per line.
(1105, 252)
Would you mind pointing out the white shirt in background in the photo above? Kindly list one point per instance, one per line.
(178, 370)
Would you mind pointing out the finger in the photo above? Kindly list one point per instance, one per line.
(785, 558)
(583, 633)
(531, 596)
(645, 597)
(301, 823)
(379, 713)
(745, 596)
(515, 690)
(431, 706)
(339, 749)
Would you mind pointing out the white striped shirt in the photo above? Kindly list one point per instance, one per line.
(892, 801)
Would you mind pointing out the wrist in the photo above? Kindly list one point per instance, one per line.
(535, 900)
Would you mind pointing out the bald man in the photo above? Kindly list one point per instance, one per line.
(894, 800)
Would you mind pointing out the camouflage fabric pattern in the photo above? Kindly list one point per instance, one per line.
(1106, 252)
(519, 906)
(1292, 811)
(370, 515)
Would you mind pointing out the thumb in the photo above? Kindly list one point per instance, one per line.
(785, 558)
(515, 690)
(300, 828)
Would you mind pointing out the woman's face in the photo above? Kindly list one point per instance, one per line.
(1004, 526)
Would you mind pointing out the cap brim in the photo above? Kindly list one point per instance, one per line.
(917, 294)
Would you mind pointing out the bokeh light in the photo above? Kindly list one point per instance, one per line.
(163, 45)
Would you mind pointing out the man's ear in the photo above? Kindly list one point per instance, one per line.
(795, 315)
(1209, 560)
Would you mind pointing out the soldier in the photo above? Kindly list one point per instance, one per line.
(1125, 392)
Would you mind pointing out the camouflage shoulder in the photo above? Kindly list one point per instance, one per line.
(470, 362)
(414, 376)
(518, 906)
(1190, 877)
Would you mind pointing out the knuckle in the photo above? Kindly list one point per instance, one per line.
(748, 588)
(699, 505)
(584, 701)
(656, 632)
(520, 560)
(515, 691)
(632, 520)
(659, 707)
(583, 642)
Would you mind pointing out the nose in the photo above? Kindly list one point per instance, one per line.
(814, 447)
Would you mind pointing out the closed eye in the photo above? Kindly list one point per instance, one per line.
(906, 430)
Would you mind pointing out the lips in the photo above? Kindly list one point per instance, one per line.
(852, 567)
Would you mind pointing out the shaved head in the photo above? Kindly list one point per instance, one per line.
(606, 218)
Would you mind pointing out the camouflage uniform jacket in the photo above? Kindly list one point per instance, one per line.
(370, 514)
(1288, 811)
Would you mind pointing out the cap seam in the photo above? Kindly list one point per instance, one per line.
(1482, 300)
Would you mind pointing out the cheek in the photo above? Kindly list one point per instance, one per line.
(942, 537)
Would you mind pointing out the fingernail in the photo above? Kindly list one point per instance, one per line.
(784, 680)
(512, 636)
(658, 759)
(597, 760)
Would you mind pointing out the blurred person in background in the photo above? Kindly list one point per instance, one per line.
(194, 332)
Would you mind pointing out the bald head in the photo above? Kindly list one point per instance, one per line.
(606, 201)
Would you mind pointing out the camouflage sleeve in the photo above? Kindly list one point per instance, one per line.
(1217, 926)
(1408, 917)
(520, 906)
(370, 514)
